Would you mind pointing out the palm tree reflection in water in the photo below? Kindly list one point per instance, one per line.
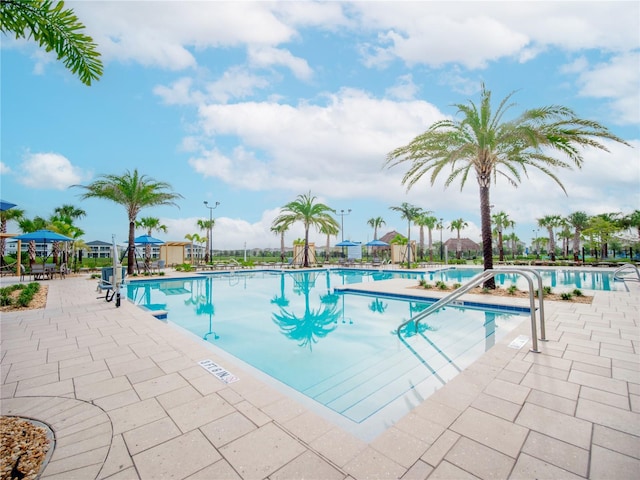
(314, 324)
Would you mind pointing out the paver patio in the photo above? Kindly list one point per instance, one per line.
(126, 399)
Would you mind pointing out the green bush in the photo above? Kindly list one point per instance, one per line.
(566, 296)
(512, 290)
(578, 293)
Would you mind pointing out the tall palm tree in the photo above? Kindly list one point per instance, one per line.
(14, 214)
(134, 192)
(457, 225)
(305, 209)
(375, 223)
(329, 231)
(482, 142)
(150, 224)
(502, 221)
(65, 214)
(193, 238)
(409, 213)
(280, 230)
(28, 225)
(579, 221)
(550, 222)
(207, 226)
(632, 220)
(424, 219)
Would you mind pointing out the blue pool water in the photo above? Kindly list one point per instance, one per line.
(339, 350)
(564, 280)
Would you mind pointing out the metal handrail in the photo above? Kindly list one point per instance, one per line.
(626, 266)
(481, 278)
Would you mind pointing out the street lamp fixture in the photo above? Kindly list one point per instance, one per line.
(211, 209)
(342, 215)
(441, 245)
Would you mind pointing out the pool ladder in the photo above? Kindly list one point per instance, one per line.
(481, 278)
(622, 268)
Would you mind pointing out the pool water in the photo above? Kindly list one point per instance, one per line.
(563, 280)
(337, 349)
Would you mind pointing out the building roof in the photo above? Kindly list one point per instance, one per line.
(466, 244)
(98, 243)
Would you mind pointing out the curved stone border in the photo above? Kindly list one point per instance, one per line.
(82, 433)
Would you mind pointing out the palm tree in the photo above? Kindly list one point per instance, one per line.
(15, 214)
(28, 225)
(501, 219)
(134, 192)
(579, 221)
(429, 221)
(409, 213)
(630, 221)
(66, 214)
(193, 238)
(150, 224)
(305, 209)
(458, 225)
(280, 230)
(482, 142)
(329, 231)
(54, 28)
(375, 223)
(207, 226)
(550, 222)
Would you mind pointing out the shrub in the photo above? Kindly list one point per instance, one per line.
(486, 290)
(578, 293)
(547, 290)
(512, 290)
(457, 285)
(441, 285)
(566, 296)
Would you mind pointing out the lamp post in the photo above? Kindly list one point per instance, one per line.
(342, 215)
(535, 232)
(441, 245)
(211, 209)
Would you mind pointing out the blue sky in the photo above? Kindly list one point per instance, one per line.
(252, 104)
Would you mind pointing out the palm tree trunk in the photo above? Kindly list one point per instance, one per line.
(500, 246)
(306, 246)
(430, 246)
(131, 252)
(421, 242)
(485, 220)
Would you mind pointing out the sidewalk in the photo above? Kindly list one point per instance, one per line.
(127, 400)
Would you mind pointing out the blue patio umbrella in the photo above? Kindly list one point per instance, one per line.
(347, 243)
(4, 205)
(43, 236)
(147, 239)
(377, 243)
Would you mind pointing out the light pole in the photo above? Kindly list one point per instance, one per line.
(342, 215)
(211, 209)
(441, 245)
(535, 232)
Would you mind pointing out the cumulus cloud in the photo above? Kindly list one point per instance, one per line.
(618, 80)
(339, 144)
(404, 89)
(4, 169)
(49, 171)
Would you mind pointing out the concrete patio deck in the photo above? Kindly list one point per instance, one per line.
(126, 399)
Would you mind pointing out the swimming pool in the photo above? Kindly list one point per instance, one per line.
(562, 279)
(339, 350)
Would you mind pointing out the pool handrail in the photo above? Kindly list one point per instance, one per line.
(481, 278)
(626, 266)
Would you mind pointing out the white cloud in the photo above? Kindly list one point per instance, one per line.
(4, 169)
(404, 89)
(49, 171)
(268, 56)
(617, 79)
(337, 147)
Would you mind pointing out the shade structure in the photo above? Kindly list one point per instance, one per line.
(347, 243)
(4, 205)
(43, 236)
(377, 243)
(147, 239)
